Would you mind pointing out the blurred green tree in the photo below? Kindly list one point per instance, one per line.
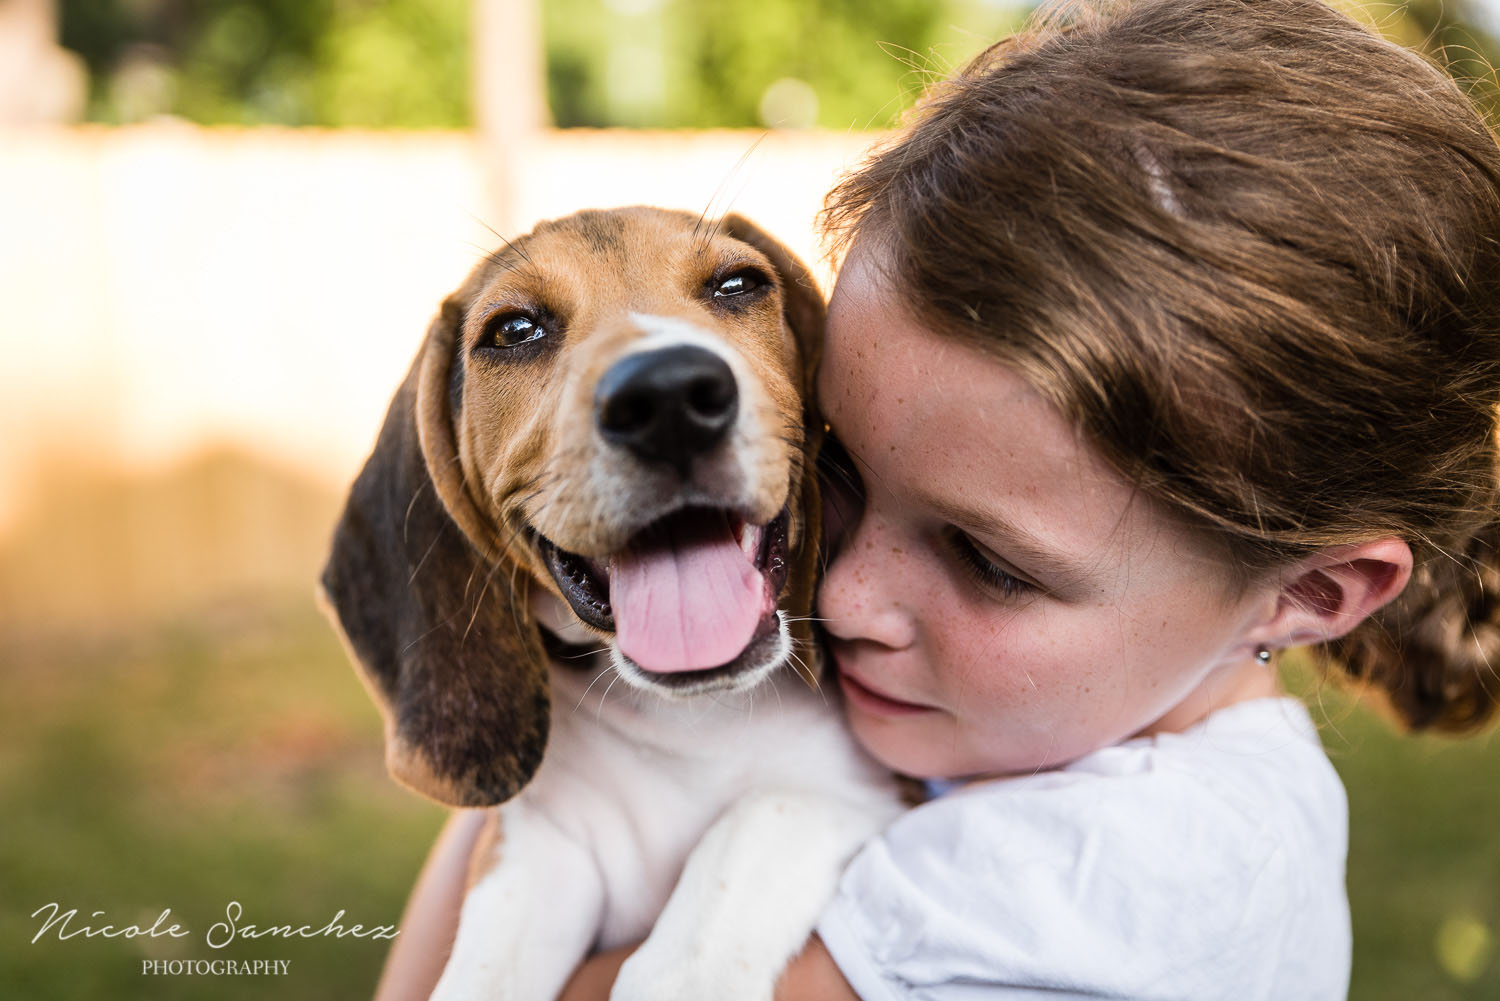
(405, 63)
(383, 63)
(650, 63)
(716, 63)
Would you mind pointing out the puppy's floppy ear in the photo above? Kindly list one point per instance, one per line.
(436, 628)
(802, 305)
(804, 312)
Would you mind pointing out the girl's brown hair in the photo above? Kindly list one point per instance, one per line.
(1253, 251)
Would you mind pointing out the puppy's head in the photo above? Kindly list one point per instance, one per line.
(606, 429)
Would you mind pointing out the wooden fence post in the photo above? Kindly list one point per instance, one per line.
(510, 95)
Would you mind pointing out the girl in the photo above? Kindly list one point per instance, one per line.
(1168, 337)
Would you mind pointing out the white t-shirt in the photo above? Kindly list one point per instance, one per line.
(1201, 865)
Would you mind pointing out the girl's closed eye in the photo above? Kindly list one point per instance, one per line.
(842, 490)
(983, 567)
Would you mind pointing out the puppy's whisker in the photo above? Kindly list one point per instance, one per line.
(437, 626)
(430, 547)
(479, 603)
(583, 654)
(469, 583)
(592, 683)
(866, 467)
(520, 597)
(518, 249)
(805, 671)
(406, 519)
(599, 713)
(780, 705)
(836, 473)
(708, 209)
(496, 258)
(520, 503)
(505, 499)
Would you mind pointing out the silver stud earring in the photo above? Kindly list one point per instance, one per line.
(1263, 655)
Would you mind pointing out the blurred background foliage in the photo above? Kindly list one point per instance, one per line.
(405, 63)
(717, 63)
(387, 63)
(644, 63)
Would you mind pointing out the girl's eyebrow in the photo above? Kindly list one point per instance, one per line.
(1061, 571)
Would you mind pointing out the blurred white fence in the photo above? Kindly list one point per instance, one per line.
(166, 288)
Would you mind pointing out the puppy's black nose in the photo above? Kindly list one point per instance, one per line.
(667, 405)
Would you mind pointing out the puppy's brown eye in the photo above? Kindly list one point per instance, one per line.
(509, 329)
(738, 283)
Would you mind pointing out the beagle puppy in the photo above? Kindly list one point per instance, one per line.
(575, 574)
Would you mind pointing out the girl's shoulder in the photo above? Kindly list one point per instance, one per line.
(1214, 853)
(1251, 754)
(1249, 783)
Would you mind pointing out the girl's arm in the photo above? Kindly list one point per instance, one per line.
(814, 976)
(811, 976)
(418, 955)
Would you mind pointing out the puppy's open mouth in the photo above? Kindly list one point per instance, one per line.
(691, 592)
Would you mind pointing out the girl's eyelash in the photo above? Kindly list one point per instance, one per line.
(982, 570)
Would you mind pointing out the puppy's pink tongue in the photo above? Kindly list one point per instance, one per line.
(688, 600)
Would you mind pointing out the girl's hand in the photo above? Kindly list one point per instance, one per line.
(419, 953)
(814, 976)
(594, 978)
(811, 976)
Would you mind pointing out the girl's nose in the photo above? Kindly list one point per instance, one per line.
(860, 598)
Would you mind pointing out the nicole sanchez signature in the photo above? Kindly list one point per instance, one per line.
(219, 935)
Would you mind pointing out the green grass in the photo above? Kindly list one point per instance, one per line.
(239, 759)
(187, 770)
(1424, 859)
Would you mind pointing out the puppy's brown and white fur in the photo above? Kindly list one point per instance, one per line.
(609, 406)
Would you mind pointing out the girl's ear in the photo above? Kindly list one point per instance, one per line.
(1324, 596)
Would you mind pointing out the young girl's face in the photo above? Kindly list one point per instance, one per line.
(1004, 601)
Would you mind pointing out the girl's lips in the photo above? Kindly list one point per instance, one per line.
(868, 700)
